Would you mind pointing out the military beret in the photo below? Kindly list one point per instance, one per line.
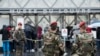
(81, 24)
(20, 24)
(88, 30)
(53, 24)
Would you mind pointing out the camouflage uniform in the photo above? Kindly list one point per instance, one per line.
(19, 37)
(51, 44)
(84, 45)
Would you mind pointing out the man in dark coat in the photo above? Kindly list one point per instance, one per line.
(30, 34)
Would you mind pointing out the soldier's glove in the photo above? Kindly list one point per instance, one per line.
(75, 45)
(61, 46)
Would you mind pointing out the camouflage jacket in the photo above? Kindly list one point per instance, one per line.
(19, 35)
(84, 43)
(51, 42)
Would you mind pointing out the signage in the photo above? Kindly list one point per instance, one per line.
(49, 10)
(64, 32)
(70, 10)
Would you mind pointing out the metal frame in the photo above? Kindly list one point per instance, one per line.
(61, 12)
(61, 18)
(50, 10)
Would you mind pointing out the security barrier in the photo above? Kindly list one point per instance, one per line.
(39, 52)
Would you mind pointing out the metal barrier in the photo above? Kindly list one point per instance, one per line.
(37, 53)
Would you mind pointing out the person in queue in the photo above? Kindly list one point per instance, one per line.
(5, 39)
(19, 37)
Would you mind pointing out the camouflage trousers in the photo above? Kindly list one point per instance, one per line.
(19, 53)
(19, 49)
(50, 50)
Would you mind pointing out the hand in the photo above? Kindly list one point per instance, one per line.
(88, 40)
(10, 39)
(61, 45)
(75, 45)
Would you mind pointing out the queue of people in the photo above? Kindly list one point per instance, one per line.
(9, 34)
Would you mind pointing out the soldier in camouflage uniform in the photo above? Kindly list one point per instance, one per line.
(52, 42)
(19, 37)
(84, 44)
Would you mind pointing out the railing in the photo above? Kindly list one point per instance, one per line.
(36, 47)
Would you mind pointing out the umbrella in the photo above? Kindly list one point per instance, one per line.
(94, 25)
(75, 27)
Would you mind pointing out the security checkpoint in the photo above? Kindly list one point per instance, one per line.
(38, 14)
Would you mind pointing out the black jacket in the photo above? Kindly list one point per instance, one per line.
(5, 34)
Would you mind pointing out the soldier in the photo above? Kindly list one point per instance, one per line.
(84, 44)
(52, 42)
(19, 37)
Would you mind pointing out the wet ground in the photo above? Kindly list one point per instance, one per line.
(39, 53)
(28, 54)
